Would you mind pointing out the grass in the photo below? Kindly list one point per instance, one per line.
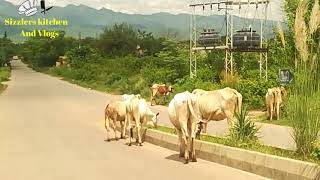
(4, 76)
(280, 122)
(252, 147)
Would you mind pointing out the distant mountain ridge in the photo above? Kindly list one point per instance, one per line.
(91, 22)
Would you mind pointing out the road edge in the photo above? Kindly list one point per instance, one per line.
(269, 166)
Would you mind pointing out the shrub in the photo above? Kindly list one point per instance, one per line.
(244, 131)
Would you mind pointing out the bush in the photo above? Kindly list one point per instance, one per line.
(254, 91)
(244, 131)
(4, 74)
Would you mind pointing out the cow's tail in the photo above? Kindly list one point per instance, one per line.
(190, 107)
(106, 118)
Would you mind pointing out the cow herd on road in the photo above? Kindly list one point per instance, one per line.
(188, 112)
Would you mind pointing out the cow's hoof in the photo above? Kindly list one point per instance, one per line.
(186, 161)
(117, 139)
(181, 155)
(130, 144)
(140, 144)
(194, 160)
(108, 140)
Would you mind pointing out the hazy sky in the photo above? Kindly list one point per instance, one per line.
(171, 6)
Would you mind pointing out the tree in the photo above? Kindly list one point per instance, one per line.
(120, 40)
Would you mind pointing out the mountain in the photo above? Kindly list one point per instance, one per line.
(91, 22)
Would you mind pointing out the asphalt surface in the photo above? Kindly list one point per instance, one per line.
(53, 130)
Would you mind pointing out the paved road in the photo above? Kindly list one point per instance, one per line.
(53, 130)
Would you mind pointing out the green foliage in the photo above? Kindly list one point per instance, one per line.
(303, 110)
(244, 131)
(7, 50)
(44, 52)
(316, 152)
(123, 39)
(254, 91)
(4, 74)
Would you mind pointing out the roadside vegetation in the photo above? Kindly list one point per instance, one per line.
(128, 60)
(6, 53)
(4, 76)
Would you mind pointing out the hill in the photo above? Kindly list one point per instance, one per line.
(91, 22)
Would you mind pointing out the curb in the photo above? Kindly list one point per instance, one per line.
(269, 166)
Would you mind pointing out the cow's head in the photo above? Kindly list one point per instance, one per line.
(277, 94)
(283, 91)
(171, 89)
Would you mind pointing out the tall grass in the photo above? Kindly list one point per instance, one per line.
(304, 112)
(304, 104)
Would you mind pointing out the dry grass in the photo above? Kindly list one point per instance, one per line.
(314, 22)
(300, 30)
(281, 34)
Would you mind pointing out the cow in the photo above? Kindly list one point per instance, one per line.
(138, 111)
(115, 112)
(218, 105)
(274, 100)
(160, 90)
(184, 115)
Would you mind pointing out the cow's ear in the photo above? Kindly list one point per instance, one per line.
(157, 114)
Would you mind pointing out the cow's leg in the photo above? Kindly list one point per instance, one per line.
(139, 133)
(271, 108)
(138, 128)
(128, 120)
(182, 144)
(151, 99)
(107, 126)
(123, 129)
(230, 118)
(114, 129)
(131, 136)
(278, 110)
(192, 138)
(205, 124)
(185, 134)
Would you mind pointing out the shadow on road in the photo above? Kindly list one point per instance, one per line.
(175, 157)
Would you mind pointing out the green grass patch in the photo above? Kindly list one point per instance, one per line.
(252, 147)
(4, 76)
(281, 122)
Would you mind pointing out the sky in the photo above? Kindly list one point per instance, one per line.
(170, 6)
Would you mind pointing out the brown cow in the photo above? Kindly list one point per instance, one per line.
(274, 100)
(160, 90)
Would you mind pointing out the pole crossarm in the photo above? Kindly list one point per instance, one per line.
(227, 6)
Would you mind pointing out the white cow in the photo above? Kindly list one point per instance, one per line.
(184, 115)
(274, 100)
(138, 112)
(218, 105)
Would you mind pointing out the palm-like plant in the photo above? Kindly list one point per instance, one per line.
(244, 130)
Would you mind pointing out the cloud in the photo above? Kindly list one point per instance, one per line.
(170, 6)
